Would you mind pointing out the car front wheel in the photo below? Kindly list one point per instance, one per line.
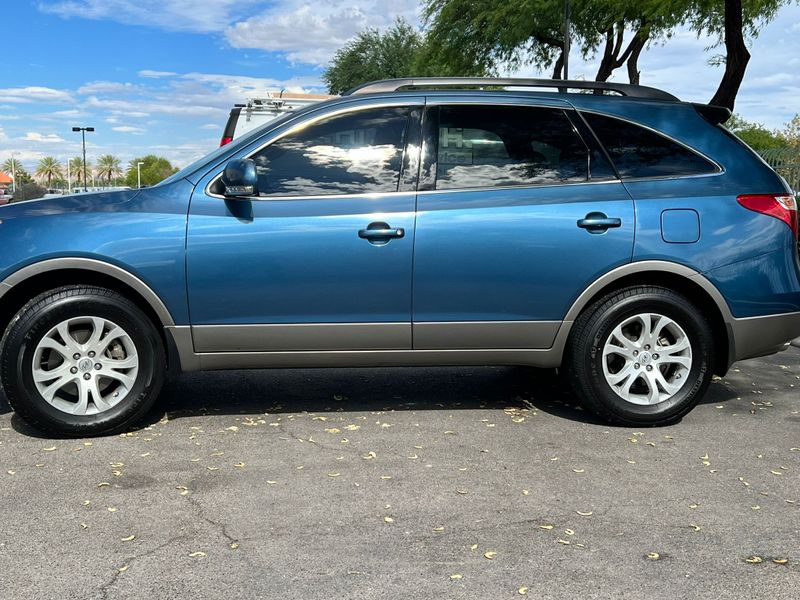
(81, 360)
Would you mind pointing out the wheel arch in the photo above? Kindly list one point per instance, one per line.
(24, 284)
(677, 277)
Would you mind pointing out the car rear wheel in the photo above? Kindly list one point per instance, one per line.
(81, 360)
(641, 356)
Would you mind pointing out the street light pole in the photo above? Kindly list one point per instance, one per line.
(13, 175)
(83, 131)
(139, 175)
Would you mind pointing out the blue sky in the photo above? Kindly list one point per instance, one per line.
(161, 75)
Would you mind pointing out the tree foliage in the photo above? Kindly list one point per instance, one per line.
(400, 51)
(755, 135)
(512, 34)
(108, 167)
(48, 169)
(154, 170)
(516, 33)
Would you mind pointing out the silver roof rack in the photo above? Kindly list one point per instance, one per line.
(624, 89)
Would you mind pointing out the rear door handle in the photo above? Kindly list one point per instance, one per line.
(380, 233)
(597, 222)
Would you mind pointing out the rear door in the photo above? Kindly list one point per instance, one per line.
(518, 212)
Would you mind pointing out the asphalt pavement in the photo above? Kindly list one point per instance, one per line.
(410, 483)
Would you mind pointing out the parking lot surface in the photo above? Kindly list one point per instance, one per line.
(410, 483)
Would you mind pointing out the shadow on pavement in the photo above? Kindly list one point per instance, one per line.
(359, 390)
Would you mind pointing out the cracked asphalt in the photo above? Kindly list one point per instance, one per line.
(410, 483)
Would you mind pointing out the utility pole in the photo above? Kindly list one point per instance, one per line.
(83, 131)
(139, 175)
(566, 38)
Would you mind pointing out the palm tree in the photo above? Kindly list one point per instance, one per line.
(9, 165)
(48, 168)
(76, 168)
(108, 166)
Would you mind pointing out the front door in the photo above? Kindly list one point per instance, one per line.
(321, 259)
(518, 212)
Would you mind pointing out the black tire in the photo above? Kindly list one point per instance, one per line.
(47, 310)
(584, 356)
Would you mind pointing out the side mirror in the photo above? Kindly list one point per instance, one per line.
(240, 178)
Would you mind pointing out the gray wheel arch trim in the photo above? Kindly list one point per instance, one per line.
(97, 266)
(648, 266)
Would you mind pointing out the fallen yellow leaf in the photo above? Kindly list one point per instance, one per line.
(455, 577)
(489, 555)
(522, 591)
(653, 556)
(130, 538)
(754, 560)
(197, 554)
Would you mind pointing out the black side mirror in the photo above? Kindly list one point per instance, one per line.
(240, 178)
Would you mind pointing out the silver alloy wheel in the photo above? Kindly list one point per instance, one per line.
(647, 359)
(85, 365)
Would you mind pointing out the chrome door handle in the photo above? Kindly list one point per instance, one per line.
(597, 222)
(380, 233)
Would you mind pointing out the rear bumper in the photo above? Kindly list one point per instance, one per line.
(759, 336)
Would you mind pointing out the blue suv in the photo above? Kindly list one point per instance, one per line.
(610, 230)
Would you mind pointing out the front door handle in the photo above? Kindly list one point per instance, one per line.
(597, 222)
(380, 233)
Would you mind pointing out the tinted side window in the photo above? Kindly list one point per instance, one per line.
(492, 146)
(640, 152)
(359, 152)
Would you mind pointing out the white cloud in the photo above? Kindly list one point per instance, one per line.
(50, 138)
(211, 126)
(25, 95)
(107, 87)
(149, 74)
(171, 15)
(128, 129)
(311, 33)
(10, 117)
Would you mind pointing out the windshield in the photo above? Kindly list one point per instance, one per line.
(238, 142)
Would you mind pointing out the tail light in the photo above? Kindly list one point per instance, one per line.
(225, 140)
(780, 206)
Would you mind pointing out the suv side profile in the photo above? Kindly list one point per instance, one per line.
(622, 235)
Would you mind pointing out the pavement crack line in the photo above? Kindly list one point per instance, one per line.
(104, 589)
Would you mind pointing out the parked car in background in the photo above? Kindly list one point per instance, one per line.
(259, 111)
(625, 237)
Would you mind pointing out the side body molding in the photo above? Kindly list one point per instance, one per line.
(549, 357)
(97, 266)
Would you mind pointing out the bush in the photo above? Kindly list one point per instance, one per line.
(29, 191)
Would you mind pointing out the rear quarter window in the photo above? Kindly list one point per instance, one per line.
(640, 152)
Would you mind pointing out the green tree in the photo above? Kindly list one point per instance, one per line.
(790, 134)
(516, 33)
(755, 135)
(154, 170)
(76, 171)
(108, 167)
(400, 51)
(48, 169)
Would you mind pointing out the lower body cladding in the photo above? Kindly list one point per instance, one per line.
(527, 343)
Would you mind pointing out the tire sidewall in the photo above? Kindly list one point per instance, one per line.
(699, 334)
(29, 330)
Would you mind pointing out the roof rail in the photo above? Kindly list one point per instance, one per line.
(625, 89)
